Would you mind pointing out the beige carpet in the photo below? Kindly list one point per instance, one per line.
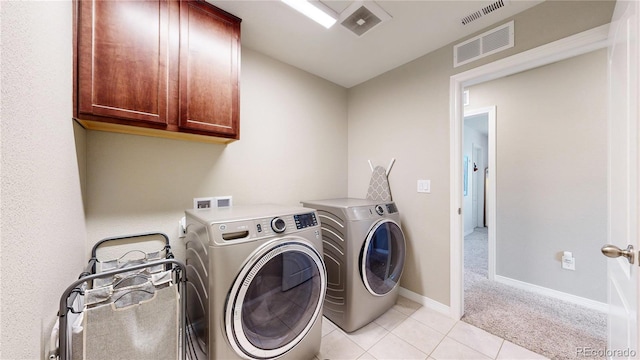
(547, 326)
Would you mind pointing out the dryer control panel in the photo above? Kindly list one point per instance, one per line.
(391, 208)
(371, 211)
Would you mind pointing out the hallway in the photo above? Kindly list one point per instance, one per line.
(551, 327)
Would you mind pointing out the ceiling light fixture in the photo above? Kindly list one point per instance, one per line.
(313, 12)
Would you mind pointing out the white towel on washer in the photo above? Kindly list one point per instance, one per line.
(379, 185)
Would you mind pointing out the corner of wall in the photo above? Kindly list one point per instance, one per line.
(41, 201)
(80, 135)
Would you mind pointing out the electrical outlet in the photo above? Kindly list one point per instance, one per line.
(568, 261)
(203, 203)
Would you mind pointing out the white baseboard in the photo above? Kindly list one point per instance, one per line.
(588, 303)
(426, 302)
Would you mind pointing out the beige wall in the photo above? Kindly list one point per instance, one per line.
(293, 141)
(293, 147)
(552, 173)
(43, 229)
(404, 113)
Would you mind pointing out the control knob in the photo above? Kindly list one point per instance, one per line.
(278, 225)
(379, 209)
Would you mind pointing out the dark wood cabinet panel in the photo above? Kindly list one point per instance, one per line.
(123, 60)
(164, 68)
(209, 58)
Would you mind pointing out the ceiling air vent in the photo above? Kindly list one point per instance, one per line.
(493, 7)
(469, 18)
(484, 11)
(490, 42)
(362, 16)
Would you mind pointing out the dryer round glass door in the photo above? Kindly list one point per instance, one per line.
(382, 257)
(276, 299)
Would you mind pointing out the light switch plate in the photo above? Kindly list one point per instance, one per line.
(424, 186)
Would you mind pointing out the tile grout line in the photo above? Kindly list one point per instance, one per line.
(499, 350)
(441, 340)
(429, 354)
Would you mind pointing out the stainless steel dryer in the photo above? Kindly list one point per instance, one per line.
(256, 281)
(364, 252)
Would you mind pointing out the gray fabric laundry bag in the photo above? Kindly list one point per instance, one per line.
(135, 322)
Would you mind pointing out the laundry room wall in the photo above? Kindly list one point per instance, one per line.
(42, 248)
(404, 114)
(551, 173)
(293, 141)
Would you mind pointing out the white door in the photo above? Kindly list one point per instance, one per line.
(623, 181)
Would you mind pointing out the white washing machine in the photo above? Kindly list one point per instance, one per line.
(255, 282)
(364, 252)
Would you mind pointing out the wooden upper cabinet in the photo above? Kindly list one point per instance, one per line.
(122, 51)
(157, 67)
(209, 58)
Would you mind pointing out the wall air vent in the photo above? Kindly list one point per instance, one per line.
(484, 11)
(362, 16)
(490, 42)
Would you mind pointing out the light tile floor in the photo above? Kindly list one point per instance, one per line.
(411, 331)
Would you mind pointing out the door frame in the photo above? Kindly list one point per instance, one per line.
(578, 44)
(490, 199)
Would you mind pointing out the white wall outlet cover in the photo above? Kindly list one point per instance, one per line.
(568, 261)
(203, 203)
(424, 186)
(223, 201)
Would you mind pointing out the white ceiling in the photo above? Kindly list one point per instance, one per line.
(417, 27)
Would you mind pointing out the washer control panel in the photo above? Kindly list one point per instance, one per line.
(285, 223)
(305, 220)
(237, 225)
(278, 225)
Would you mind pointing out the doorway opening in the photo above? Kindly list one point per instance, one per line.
(569, 47)
(464, 150)
(479, 215)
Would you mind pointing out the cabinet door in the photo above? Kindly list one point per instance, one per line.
(122, 61)
(209, 67)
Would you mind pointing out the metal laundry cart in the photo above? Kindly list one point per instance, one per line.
(128, 307)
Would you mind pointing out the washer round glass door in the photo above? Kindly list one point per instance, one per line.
(276, 299)
(382, 257)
